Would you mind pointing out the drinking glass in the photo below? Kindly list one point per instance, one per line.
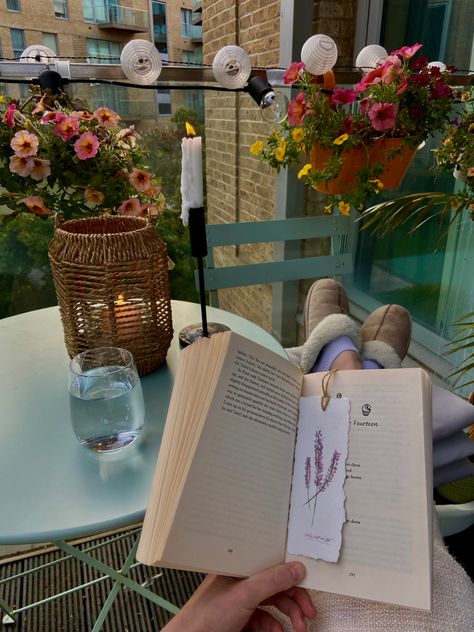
(106, 399)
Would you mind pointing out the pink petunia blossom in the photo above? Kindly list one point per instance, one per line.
(383, 115)
(374, 76)
(440, 89)
(391, 69)
(407, 51)
(36, 205)
(21, 165)
(93, 197)
(403, 85)
(297, 109)
(106, 116)
(140, 180)
(364, 105)
(340, 95)
(25, 144)
(67, 127)
(52, 117)
(9, 116)
(86, 146)
(292, 73)
(132, 207)
(41, 169)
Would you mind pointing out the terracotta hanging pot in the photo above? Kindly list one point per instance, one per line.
(355, 159)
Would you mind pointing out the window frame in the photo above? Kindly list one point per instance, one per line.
(17, 2)
(65, 6)
(17, 54)
(186, 26)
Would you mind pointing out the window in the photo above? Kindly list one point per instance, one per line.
(18, 42)
(192, 56)
(51, 41)
(103, 51)
(13, 5)
(186, 22)
(60, 9)
(164, 101)
(159, 26)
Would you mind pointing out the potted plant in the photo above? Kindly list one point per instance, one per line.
(353, 139)
(58, 157)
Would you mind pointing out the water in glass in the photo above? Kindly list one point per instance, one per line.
(106, 402)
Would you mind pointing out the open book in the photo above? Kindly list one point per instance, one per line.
(220, 497)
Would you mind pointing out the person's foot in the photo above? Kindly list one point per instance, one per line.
(326, 318)
(386, 335)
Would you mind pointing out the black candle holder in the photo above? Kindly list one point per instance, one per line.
(197, 236)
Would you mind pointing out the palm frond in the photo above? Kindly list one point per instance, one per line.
(414, 209)
(464, 339)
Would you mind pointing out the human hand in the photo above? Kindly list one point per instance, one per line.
(227, 604)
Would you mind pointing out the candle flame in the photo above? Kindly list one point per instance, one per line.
(190, 131)
(120, 300)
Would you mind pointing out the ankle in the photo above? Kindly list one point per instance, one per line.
(347, 360)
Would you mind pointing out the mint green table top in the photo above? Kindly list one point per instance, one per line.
(51, 488)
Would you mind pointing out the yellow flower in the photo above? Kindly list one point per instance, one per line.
(470, 172)
(378, 183)
(340, 139)
(344, 208)
(328, 209)
(257, 147)
(298, 134)
(304, 170)
(2, 98)
(283, 143)
(471, 128)
(447, 141)
(454, 203)
(280, 154)
(465, 97)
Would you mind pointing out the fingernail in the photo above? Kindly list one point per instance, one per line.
(297, 570)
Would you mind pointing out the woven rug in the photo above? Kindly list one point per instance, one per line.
(77, 612)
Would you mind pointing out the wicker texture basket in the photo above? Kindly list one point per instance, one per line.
(111, 280)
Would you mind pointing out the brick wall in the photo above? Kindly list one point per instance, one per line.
(240, 187)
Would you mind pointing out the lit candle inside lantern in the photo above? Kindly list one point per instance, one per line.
(127, 318)
(191, 173)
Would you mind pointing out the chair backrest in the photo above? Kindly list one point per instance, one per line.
(337, 263)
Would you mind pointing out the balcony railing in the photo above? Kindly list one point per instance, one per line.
(111, 15)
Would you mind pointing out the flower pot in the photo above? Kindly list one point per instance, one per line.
(356, 158)
(395, 167)
(111, 279)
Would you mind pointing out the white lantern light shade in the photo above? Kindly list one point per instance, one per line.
(319, 54)
(38, 53)
(232, 67)
(370, 57)
(438, 64)
(141, 61)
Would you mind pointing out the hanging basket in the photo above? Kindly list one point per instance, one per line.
(111, 280)
(355, 159)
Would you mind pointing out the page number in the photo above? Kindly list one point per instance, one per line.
(351, 574)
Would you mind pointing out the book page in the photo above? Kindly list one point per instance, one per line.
(387, 538)
(233, 511)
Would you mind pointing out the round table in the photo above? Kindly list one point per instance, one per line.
(51, 488)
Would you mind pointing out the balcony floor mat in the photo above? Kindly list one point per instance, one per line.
(78, 611)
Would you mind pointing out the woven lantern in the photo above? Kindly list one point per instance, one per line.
(111, 280)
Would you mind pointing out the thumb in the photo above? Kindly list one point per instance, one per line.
(271, 581)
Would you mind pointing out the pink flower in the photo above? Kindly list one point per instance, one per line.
(93, 196)
(391, 68)
(36, 205)
(440, 89)
(407, 51)
(342, 96)
(292, 73)
(106, 117)
(86, 146)
(67, 127)
(52, 117)
(374, 76)
(39, 107)
(24, 143)
(9, 116)
(297, 109)
(383, 115)
(41, 169)
(364, 105)
(140, 180)
(403, 85)
(21, 165)
(132, 206)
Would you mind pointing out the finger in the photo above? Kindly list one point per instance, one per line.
(303, 599)
(262, 621)
(271, 581)
(290, 608)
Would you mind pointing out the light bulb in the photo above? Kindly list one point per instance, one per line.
(319, 54)
(274, 107)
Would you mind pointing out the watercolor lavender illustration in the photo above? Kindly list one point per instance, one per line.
(321, 482)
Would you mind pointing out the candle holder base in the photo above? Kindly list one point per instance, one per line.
(194, 332)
